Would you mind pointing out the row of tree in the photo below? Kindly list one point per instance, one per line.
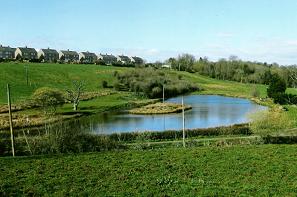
(235, 69)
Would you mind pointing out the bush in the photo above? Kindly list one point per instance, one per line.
(277, 89)
(104, 84)
(280, 139)
(150, 82)
(48, 98)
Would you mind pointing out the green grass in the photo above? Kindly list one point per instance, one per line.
(51, 75)
(225, 171)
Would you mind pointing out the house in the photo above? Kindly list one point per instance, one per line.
(68, 56)
(87, 57)
(124, 59)
(25, 53)
(168, 66)
(137, 60)
(48, 55)
(107, 59)
(7, 52)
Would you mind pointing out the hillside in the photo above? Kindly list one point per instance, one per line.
(50, 75)
(61, 76)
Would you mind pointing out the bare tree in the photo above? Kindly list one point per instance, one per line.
(293, 75)
(75, 93)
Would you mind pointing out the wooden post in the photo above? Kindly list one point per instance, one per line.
(184, 134)
(27, 76)
(163, 93)
(10, 120)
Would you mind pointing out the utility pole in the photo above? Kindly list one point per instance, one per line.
(10, 120)
(184, 134)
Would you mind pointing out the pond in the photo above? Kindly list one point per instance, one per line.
(207, 111)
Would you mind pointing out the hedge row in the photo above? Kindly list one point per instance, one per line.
(240, 129)
(279, 139)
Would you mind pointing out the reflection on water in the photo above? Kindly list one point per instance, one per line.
(207, 111)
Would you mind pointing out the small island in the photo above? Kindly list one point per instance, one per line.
(160, 108)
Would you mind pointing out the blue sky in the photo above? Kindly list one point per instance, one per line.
(257, 30)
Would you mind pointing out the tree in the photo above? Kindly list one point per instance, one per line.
(75, 93)
(172, 62)
(48, 98)
(186, 62)
(292, 72)
(277, 89)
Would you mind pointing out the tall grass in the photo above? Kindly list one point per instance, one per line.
(271, 122)
(58, 138)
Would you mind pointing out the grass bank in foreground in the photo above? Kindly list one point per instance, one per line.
(237, 170)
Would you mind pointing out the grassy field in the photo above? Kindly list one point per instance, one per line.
(227, 170)
(216, 171)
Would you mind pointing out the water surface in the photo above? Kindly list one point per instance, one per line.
(207, 111)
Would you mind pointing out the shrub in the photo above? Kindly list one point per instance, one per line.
(104, 84)
(277, 89)
(280, 139)
(149, 82)
(48, 98)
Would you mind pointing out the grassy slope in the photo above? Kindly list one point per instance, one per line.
(51, 75)
(61, 76)
(229, 171)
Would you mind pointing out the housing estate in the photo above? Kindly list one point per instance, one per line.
(67, 56)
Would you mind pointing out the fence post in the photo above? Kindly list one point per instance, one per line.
(10, 120)
(184, 134)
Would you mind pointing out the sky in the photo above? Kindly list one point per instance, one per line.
(255, 30)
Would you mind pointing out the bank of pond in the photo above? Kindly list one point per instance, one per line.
(209, 116)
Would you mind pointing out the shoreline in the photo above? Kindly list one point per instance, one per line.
(68, 116)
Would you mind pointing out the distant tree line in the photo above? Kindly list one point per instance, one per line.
(234, 69)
